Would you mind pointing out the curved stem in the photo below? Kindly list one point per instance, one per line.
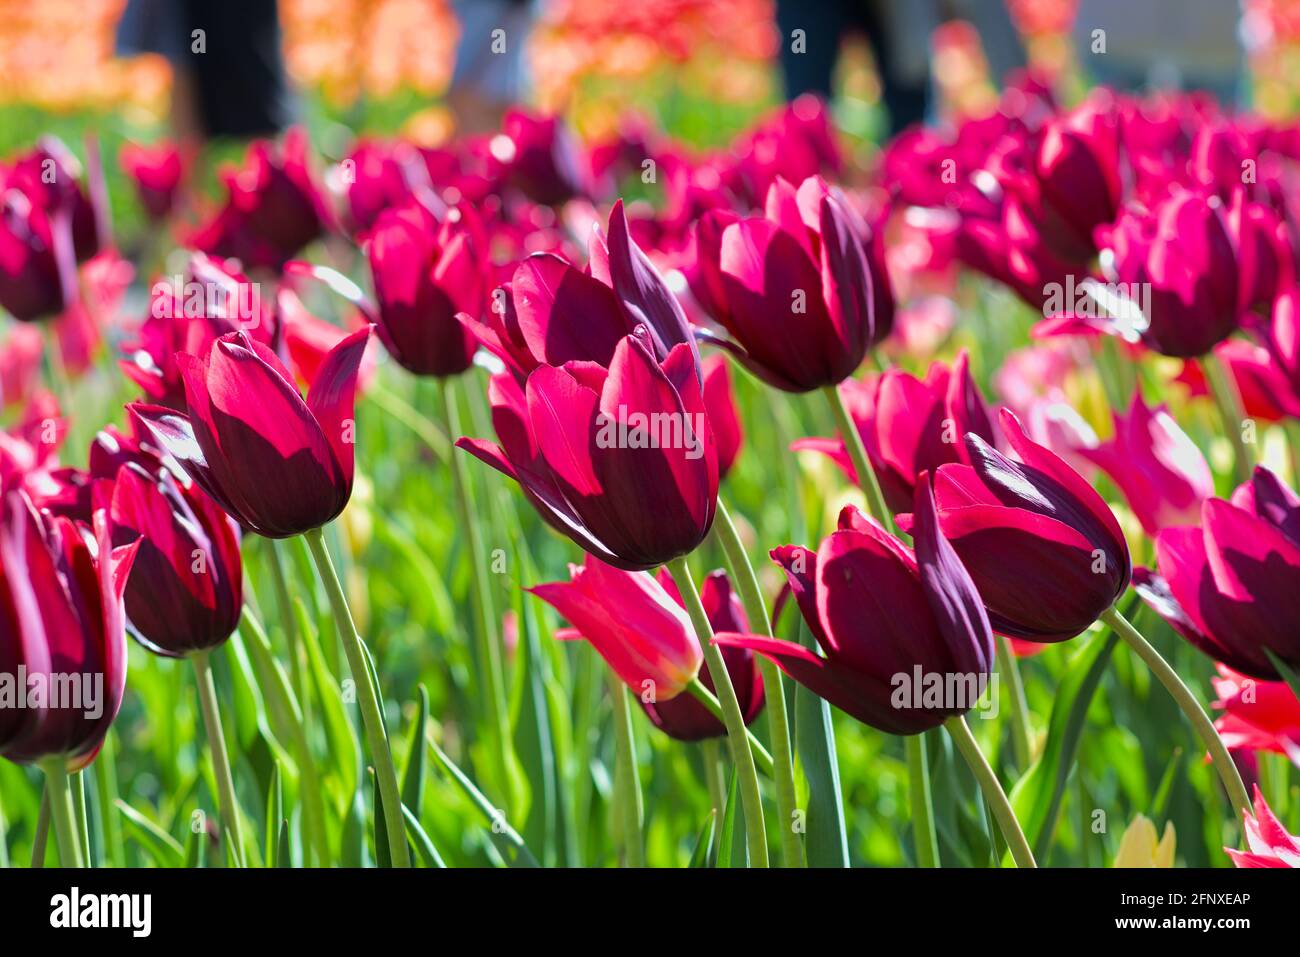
(778, 722)
(42, 835)
(492, 674)
(1185, 700)
(741, 756)
(866, 475)
(232, 831)
(993, 793)
(918, 778)
(372, 717)
(1020, 731)
(762, 760)
(1227, 399)
(627, 781)
(61, 813)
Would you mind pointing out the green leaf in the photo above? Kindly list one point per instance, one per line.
(504, 837)
(420, 839)
(283, 857)
(274, 815)
(704, 843)
(825, 837)
(729, 849)
(533, 738)
(413, 778)
(1289, 674)
(1037, 796)
(338, 729)
(383, 856)
(165, 850)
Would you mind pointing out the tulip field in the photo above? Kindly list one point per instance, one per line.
(640, 499)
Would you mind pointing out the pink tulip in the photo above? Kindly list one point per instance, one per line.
(1270, 844)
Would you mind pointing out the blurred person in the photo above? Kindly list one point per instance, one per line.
(491, 73)
(228, 76)
(1162, 45)
(898, 32)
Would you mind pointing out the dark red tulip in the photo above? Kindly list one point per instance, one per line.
(684, 717)
(910, 427)
(540, 158)
(425, 273)
(551, 312)
(1041, 545)
(210, 299)
(1231, 586)
(720, 404)
(187, 591)
(890, 622)
(48, 177)
(622, 460)
(60, 618)
(156, 172)
(277, 464)
(794, 289)
(273, 208)
(1077, 170)
(30, 284)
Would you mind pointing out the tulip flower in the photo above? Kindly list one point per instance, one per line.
(273, 208)
(1257, 715)
(30, 284)
(540, 158)
(551, 313)
(424, 274)
(62, 641)
(1161, 472)
(21, 353)
(1138, 846)
(1077, 172)
(279, 465)
(886, 619)
(1231, 585)
(156, 172)
(1270, 844)
(47, 176)
(186, 315)
(187, 592)
(909, 427)
(1267, 390)
(685, 718)
(631, 620)
(621, 460)
(1042, 546)
(794, 289)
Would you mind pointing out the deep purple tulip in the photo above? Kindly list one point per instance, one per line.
(60, 616)
(277, 464)
(622, 460)
(425, 273)
(1231, 586)
(794, 289)
(1042, 546)
(684, 717)
(890, 623)
(187, 591)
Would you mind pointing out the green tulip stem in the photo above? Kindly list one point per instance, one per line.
(1185, 700)
(627, 780)
(1021, 737)
(227, 806)
(372, 717)
(778, 722)
(762, 759)
(61, 812)
(997, 798)
(737, 737)
(867, 479)
(42, 836)
(918, 781)
(1227, 399)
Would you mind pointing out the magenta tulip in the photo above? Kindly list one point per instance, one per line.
(909, 427)
(187, 591)
(1269, 842)
(628, 617)
(1161, 472)
(1041, 545)
(889, 621)
(622, 460)
(794, 289)
(277, 464)
(156, 172)
(61, 625)
(425, 273)
(720, 404)
(1231, 585)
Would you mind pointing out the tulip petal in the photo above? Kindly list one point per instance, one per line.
(332, 397)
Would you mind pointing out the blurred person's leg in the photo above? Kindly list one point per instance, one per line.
(899, 33)
(491, 69)
(808, 59)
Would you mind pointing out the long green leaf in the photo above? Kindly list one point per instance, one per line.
(826, 840)
(504, 837)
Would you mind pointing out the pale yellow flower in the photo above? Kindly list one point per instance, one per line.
(1138, 847)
